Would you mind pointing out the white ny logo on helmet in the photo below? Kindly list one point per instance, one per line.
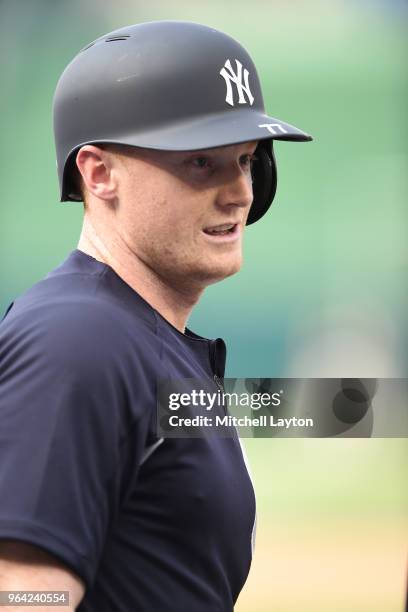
(242, 84)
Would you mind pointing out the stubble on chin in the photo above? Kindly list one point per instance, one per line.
(211, 272)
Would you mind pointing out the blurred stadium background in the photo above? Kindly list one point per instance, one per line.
(324, 288)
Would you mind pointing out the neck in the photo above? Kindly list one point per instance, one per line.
(174, 304)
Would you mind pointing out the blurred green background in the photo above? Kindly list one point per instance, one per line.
(323, 291)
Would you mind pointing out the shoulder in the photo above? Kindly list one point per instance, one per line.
(72, 328)
(61, 351)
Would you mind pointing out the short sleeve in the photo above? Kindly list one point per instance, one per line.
(65, 416)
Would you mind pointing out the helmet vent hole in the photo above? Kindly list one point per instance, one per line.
(114, 38)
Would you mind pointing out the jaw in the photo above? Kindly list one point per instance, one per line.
(194, 276)
(220, 265)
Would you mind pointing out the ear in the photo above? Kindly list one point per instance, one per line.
(96, 168)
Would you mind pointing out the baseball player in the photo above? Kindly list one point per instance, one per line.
(160, 129)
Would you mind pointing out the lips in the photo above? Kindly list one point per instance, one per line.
(220, 230)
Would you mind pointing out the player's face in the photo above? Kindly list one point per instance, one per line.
(184, 213)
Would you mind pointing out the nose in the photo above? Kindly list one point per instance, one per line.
(236, 190)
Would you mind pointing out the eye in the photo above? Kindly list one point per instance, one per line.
(248, 160)
(201, 161)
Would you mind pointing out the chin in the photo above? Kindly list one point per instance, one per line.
(221, 270)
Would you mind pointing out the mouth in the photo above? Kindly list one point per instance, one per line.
(226, 230)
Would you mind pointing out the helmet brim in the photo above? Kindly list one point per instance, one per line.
(216, 130)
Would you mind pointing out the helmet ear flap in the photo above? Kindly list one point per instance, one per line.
(264, 181)
(70, 183)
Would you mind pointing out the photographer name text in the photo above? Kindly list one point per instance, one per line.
(234, 421)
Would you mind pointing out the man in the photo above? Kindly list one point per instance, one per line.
(160, 129)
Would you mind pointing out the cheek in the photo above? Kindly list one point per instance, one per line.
(145, 210)
(162, 210)
(176, 215)
(159, 226)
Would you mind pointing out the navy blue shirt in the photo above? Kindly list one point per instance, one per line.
(148, 524)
